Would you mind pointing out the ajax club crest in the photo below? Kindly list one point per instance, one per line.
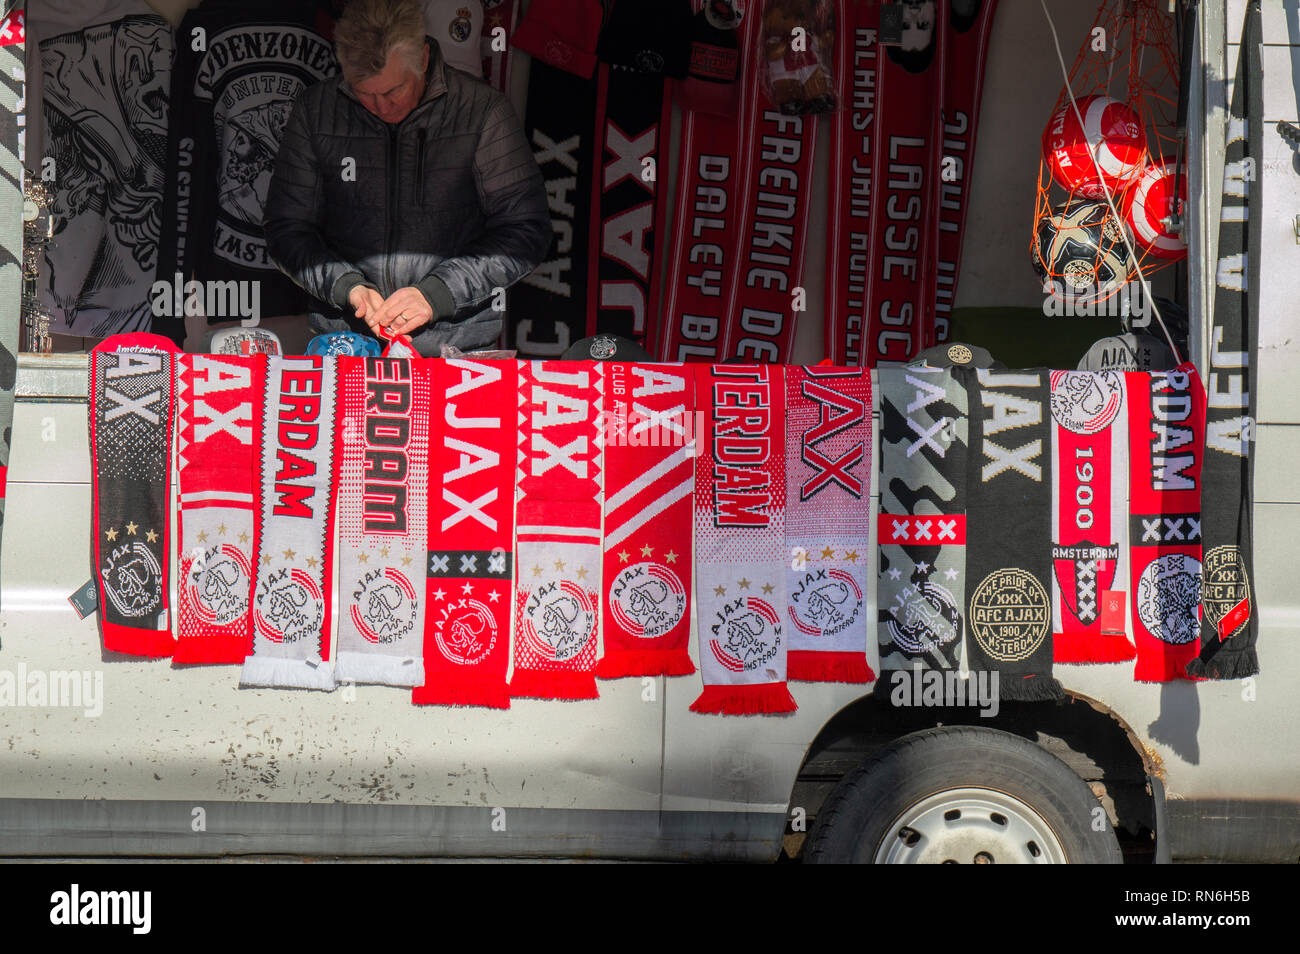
(558, 620)
(647, 600)
(383, 606)
(218, 584)
(1086, 402)
(1169, 598)
(132, 579)
(746, 634)
(825, 602)
(923, 617)
(289, 606)
(1010, 614)
(466, 632)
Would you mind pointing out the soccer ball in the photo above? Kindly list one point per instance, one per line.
(1079, 253)
(1111, 131)
(1153, 201)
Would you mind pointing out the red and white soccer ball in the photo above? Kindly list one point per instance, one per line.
(1111, 131)
(1152, 202)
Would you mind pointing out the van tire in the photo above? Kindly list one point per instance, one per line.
(962, 794)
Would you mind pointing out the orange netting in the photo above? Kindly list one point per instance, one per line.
(1128, 148)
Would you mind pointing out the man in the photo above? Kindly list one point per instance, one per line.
(405, 194)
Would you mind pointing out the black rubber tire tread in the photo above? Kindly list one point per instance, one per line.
(858, 812)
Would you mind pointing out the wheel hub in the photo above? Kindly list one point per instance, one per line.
(970, 826)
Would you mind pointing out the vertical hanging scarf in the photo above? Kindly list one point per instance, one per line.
(131, 393)
(627, 204)
(904, 182)
(14, 257)
(649, 473)
(921, 572)
(1089, 516)
(848, 218)
(382, 454)
(712, 175)
(1166, 440)
(740, 541)
(1008, 520)
(471, 534)
(558, 527)
(766, 292)
(496, 55)
(965, 48)
(219, 404)
(1231, 624)
(827, 516)
(295, 534)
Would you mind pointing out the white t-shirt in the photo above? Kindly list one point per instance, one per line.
(457, 25)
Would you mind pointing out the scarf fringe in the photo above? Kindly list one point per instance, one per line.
(1160, 669)
(405, 672)
(541, 684)
(151, 643)
(761, 699)
(229, 650)
(1089, 650)
(618, 664)
(281, 673)
(1234, 665)
(803, 665)
(488, 693)
(1031, 689)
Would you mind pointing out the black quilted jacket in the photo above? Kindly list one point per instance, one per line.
(450, 200)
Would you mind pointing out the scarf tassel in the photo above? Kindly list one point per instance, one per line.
(540, 684)
(465, 691)
(231, 650)
(645, 662)
(806, 666)
(1031, 689)
(758, 699)
(1232, 666)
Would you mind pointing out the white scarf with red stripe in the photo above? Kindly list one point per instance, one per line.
(557, 602)
(219, 400)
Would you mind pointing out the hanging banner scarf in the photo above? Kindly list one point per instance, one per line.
(766, 293)
(921, 572)
(13, 39)
(548, 307)
(131, 393)
(1089, 517)
(1009, 525)
(740, 541)
(1230, 627)
(712, 174)
(965, 49)
(827, 517)
(295, 532)
(650, 474)
(558, 529)
(900, 285)
(219, 406)
(1166, 437)
(382, 455)
(848, 235)
(471, 534)
(498, 14)
(627, 208)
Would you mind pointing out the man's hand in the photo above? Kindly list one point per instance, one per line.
(366, 302)
(404, 311)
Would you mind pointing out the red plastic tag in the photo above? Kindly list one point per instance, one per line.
(1112, 612)
(1234, 619)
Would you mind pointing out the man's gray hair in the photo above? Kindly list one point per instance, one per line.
(369, 31)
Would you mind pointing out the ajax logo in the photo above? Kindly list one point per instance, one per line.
(132, 579)
(466, 632)
(383, 606)
(289, 606)
(1086, 402)
(218, 584)
(746, 634)
(825, 602)
(1169, 598)
(923, 617)
(647, 600)
(559, 620)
